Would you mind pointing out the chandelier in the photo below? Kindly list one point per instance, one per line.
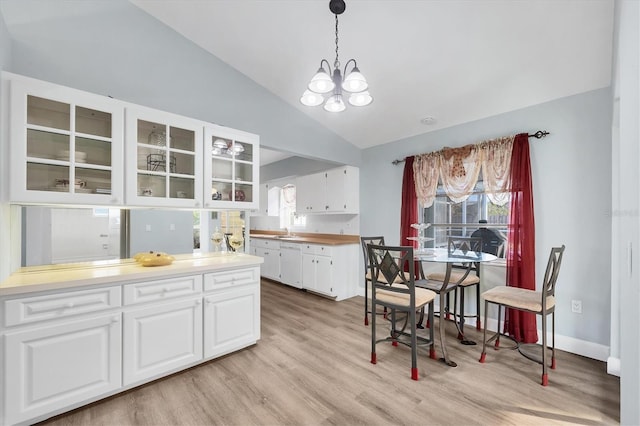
(330, 82)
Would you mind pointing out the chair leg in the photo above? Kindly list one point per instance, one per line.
(432, 348)
(497, 344)
(478, 322)
(545, 377)
(483, 355)
(553, 340)
(446, 309)
(414, 345)
(374, 359)
(394, 341)
(366, 303)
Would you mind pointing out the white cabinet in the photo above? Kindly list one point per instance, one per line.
(232, 311)
(161, 338)
(333, 191)
(66, 145)
(231, 168)
(269, 250)
(164, 159)
(49, 367)
(331, 270)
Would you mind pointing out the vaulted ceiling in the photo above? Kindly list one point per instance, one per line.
(453, 60)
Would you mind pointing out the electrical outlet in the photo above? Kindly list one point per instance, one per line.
(576, 306)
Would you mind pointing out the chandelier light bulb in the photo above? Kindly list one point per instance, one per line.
(310, 98)
(237, 147)
(220, 143)
(335, 104)
(360, 99)
(321, 82)
(355, 82)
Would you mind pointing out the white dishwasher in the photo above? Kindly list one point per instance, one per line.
(291, 264)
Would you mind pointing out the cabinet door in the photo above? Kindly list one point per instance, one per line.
(66, 145)
(164, 159)
(308, 271)
(324, 275)
(311, 194)
(161, 338)
(271, 265)
(231, 168)
(50, 368)
(231, 320)
(336, 190)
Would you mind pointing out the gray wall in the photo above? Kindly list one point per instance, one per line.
(114, 48)
(572, 191)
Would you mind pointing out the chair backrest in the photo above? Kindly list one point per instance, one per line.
(387, 262)
(551, 274)
(369, 240)
(466, 248)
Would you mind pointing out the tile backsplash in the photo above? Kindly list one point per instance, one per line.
(320, 224)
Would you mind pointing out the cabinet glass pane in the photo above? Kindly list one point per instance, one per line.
(184, 163)
(44, 177)
(244, 172)
(93, 181)
(47, 145)
(152, 133)
(221, 169)
(220, 191)
(151, 186)
(244, 151)
(220, 147)
(182, 139)
(48, 113)
(181, 188)
(243, 193)
(93, 151)
(93, 122)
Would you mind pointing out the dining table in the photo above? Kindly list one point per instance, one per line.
(460, 259)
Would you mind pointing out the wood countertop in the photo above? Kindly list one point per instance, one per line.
(307, 237)
(55, 277)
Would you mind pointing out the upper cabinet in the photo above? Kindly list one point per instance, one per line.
(72, 147)
(332, 191)
(164, 158)
(65, 145)
(231, 168)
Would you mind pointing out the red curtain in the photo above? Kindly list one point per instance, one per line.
(409, 208)
(521, 265)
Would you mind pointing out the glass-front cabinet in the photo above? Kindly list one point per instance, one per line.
(164, 159)
(231, 168)
(65, 145)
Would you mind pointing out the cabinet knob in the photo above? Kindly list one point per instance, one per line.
(114, 201)
(115, 319)
(197, 204)
(70, 305)
(198, 302)
(209, 301)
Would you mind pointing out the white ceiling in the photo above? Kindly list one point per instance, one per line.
(454, 60)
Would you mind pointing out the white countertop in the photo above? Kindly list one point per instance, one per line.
(54, 277)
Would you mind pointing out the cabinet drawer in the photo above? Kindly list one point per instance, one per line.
(321, 250)
(52, 306)
(264, 243)
(151, 291)
(220, 280)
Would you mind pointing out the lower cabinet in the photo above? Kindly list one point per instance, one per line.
(231, 320)
(56, 366)
(158, 339)
(62, 349)
(330, 270)
(317, 273)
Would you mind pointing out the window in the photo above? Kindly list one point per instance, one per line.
(462, 219)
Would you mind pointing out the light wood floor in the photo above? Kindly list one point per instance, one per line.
(312, 367)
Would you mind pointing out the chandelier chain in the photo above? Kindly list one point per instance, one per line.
(336, 64)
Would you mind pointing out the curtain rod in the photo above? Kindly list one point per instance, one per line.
(538, 135)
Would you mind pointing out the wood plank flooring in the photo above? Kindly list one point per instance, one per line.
(311, 367)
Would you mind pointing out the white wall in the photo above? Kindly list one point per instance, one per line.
(572, 194)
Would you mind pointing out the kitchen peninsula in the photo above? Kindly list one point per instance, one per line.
(74, 334)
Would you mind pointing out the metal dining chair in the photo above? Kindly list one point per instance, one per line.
(387, 265)
(541, 303)
(465, 274)
(364, 241)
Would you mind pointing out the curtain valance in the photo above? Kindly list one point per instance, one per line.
(458, 170)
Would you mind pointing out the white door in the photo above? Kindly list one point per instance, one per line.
(50, 368)
(231, 320)
(324, 276)
(336, 190)
(308, 271)
(161, 338)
